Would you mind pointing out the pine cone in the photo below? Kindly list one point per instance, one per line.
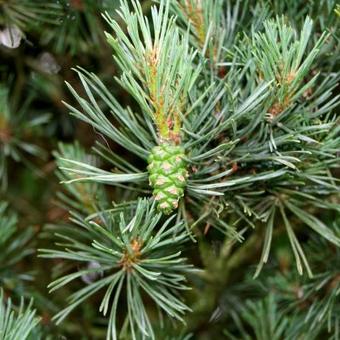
(167, 175)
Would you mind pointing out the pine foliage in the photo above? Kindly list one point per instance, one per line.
(196, 134)
(16, 323)
(130, 251)
(208, 205)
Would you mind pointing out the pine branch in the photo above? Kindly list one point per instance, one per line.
(16, 323)
(139, 256)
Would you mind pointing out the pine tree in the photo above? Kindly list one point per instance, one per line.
(208, 206)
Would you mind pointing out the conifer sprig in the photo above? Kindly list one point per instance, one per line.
(217, 165)
(16, 323)
(132, 55)
(222, 114)
(279, 54)
(156, 63)
(211, 27)
(133, 251)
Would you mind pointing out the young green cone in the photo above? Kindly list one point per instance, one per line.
(167, 175)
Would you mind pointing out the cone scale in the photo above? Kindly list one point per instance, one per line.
(167, 175)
